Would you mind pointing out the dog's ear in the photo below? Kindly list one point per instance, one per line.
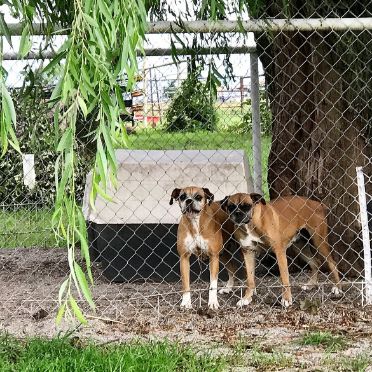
(223, 203)
(208, 195)
(257, 198)
(175, 195)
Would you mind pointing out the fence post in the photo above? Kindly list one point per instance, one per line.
(144, 110)
(256, 123)
(365, 236)
(241, 89)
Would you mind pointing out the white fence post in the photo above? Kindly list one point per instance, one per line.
(29, 176)
(365, 236)
(256, 123)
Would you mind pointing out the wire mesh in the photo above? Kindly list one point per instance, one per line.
(315, 116)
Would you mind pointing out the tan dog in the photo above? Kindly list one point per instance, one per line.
(277, 224)
(203, 230)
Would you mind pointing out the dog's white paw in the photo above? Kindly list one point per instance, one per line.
(311, 284)
(286, 303)
(226, 289)
(186, 301)
(244, 302)
(213, 304)
(336, 291)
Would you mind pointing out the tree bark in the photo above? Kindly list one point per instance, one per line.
(318, 134)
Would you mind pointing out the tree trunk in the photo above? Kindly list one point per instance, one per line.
(319, 128)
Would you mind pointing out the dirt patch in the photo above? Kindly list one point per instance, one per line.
(30, 279)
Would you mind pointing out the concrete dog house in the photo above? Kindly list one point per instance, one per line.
(134, 235)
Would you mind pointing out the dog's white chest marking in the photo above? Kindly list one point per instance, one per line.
(250, 238)
(195, 243)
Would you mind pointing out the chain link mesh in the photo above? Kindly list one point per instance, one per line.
(315, 115)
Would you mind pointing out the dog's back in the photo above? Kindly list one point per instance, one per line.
(293, 206)
(292, 213)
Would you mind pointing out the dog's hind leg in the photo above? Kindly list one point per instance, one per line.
(185, 276)
(303, 250)
(213, 271)
(320, 240)
(231, 270)
(281, 256)
(249, 254)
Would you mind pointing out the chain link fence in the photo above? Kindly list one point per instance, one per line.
(311, 96)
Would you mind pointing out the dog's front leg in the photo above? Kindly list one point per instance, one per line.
(213, 271)
(231, 270)
(281, 256)
(185, 276)
(249, 254)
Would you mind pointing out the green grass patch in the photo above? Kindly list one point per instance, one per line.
(27, 228)
(64, 355)
(273, 360)
(358, 363)
(327, 340)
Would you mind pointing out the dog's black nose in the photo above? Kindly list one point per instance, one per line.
(188, 201)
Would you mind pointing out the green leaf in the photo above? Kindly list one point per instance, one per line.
(66, 141)
(82, 106)
(110, 148)
(25, 43)
(56, 93)
(90, 20)
(60, 313)
(62, 290)
(7, 103)
(82, 233)
(104, 9)
(5, 30)
(101, 162)
(58, 58)
(84, 284)
(101, 192)
(87, 6)
(67, 87)
(119, 98)
(75, 308)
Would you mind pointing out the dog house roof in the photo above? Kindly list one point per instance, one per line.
(146, 179)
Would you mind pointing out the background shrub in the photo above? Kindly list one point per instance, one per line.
(245, 124)
(35, 132)
(192, 106)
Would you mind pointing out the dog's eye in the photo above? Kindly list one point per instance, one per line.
(183, 197)
(198, 198)
(245, 207)
(231, 208)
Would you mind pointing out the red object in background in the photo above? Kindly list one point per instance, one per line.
(150, 119)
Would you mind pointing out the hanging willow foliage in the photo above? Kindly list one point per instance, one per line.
(100, 50)
(99, 53)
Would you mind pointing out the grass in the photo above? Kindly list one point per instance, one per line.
(273, 360)
(250, 353)
(327, 340)
(63, 354)
(358, 363)
(26, 228)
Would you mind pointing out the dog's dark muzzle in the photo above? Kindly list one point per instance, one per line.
(189, 207)
(240, 217)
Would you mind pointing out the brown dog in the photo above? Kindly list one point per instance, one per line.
(203, 230)
(277, 224)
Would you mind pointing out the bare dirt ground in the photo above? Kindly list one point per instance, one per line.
(30, 279)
